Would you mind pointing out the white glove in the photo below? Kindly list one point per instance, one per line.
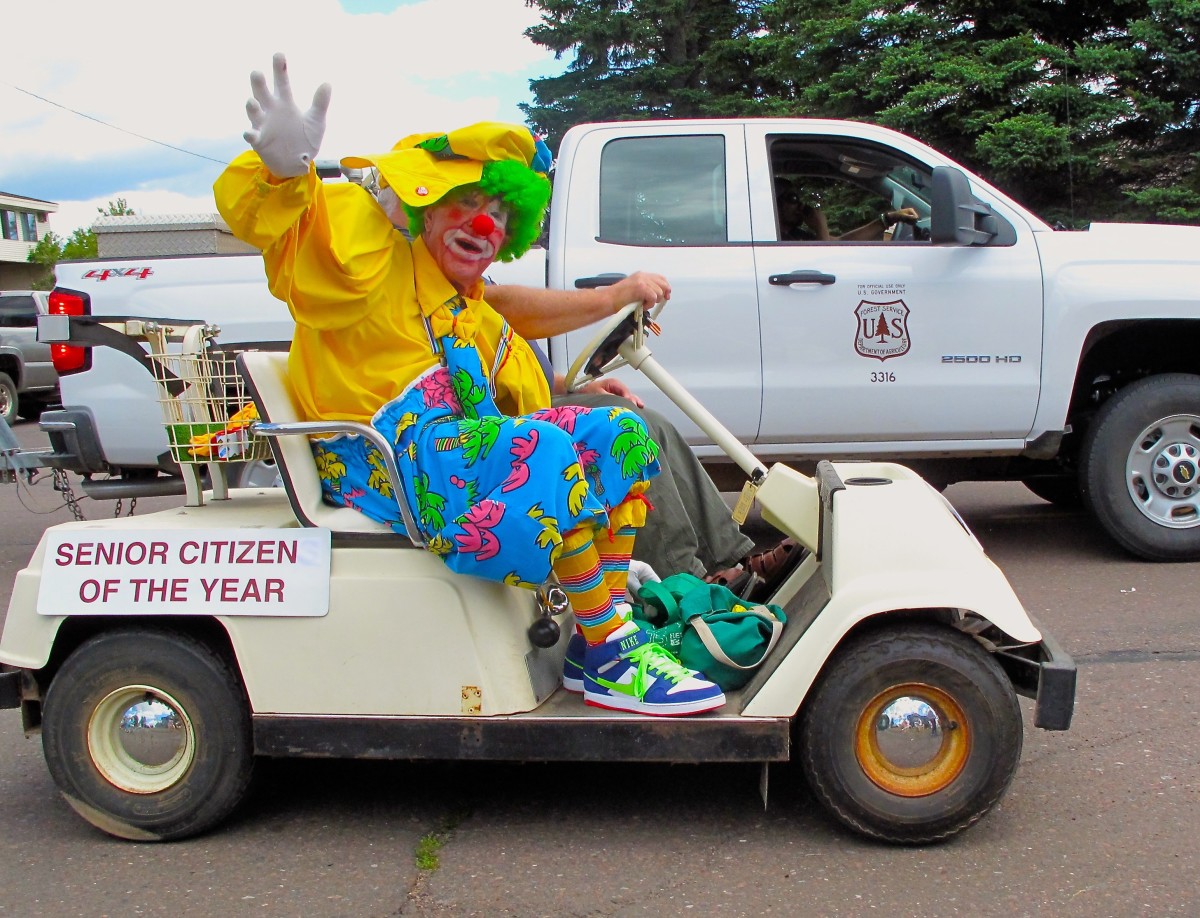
(285, 138)
(639, 573)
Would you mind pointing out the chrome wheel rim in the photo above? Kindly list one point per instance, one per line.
(141, 740)
(1162, 471)
(912, 740)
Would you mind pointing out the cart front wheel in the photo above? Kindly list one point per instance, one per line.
(912, 734)
(147, 735)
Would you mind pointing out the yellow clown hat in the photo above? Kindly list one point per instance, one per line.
(422, 168)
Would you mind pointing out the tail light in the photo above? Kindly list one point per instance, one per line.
(69, 358)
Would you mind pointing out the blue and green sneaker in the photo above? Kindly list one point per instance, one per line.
(629, 672)
(572, 678)
(573, 663)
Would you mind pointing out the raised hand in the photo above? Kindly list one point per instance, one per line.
(285, 138)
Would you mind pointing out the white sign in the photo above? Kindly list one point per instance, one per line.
(186, 572)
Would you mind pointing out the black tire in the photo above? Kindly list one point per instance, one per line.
(176, 776)
(1139, 467)
(937, 782)
(1060, 490)
(8, 399)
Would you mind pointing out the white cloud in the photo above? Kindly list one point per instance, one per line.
(179, 73)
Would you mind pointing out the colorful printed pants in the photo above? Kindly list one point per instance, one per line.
(493, 494)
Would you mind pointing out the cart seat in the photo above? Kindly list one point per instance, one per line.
(266, 376)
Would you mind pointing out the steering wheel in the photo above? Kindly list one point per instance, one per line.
(600, 357)
(909, 232)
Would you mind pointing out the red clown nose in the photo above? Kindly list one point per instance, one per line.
(482, 225)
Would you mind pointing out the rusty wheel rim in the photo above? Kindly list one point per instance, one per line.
(912, 740)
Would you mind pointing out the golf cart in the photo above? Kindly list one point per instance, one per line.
(159, 655)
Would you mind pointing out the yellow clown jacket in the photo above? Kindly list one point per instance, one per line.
(357, 290)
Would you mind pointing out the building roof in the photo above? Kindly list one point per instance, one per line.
(8, 197)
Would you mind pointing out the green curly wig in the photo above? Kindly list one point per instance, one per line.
(524, 192)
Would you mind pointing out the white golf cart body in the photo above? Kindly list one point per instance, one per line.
(408, 660)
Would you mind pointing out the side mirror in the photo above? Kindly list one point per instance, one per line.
(958, 217)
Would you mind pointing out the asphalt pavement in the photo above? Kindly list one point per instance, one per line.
(1100, 820)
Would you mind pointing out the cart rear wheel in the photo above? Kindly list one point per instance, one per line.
(911, 734)
(257, 473)
(147, 735)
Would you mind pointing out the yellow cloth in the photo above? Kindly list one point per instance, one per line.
(239, 420)
(420, 177)
(357, 289)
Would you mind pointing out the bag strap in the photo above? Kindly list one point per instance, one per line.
(710, 642)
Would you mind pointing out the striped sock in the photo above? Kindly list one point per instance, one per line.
(615, 550)
(582, 578)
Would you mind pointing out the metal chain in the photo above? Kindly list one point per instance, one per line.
(62, 484)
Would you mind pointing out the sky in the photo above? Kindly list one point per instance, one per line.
(178, 75)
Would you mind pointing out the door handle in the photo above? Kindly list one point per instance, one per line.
(802, 277)
(599, 280)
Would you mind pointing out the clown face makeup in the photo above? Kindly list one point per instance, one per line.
(463, 233)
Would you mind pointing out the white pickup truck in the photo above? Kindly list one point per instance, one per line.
(977, 343)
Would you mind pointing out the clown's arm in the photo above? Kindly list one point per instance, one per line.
(540, 313)
(324, 247)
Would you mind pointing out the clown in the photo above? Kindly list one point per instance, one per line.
(397, 334)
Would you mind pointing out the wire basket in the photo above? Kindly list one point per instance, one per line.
(205, 408)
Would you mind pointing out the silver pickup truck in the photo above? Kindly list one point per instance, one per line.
(28, 381)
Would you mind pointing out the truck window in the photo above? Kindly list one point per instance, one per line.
(848, 183)
(664, 191)
(17, 312)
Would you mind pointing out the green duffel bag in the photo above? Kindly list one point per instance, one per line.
(724, 637)
(658, 612)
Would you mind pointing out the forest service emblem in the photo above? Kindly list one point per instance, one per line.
(882, 329)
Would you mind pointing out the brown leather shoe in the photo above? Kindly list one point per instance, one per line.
(736, 579)
(726, 576)
(767, 564)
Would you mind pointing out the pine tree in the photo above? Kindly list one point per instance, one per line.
(643, 59)
(1084, 111)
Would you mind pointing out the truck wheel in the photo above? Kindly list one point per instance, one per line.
(911, 734)
(8, 399)
(147, 735)
(1140, 464)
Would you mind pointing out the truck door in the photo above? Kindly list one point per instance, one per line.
(672, 199)
(872, 337)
